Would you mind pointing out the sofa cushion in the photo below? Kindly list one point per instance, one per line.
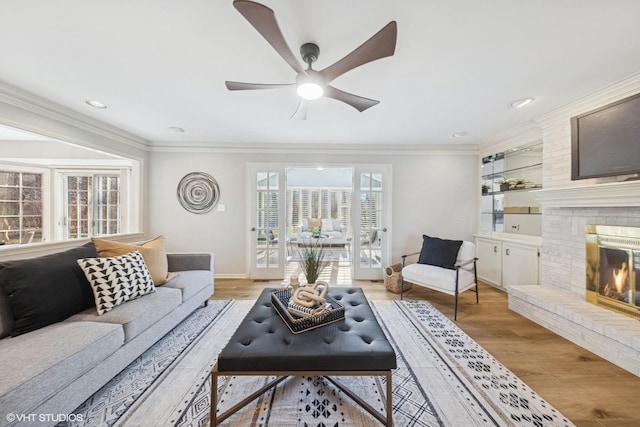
(439, 252)
(47, 289)
(313, 223)
(138, 315)
(191, 282)
(438, 278)
(116, 280)
(152, 251)
(327, 225)
(6, 318)
(37, 365)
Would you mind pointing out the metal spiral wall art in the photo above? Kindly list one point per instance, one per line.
(198, 192)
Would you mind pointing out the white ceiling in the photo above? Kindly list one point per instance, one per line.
(458, 65)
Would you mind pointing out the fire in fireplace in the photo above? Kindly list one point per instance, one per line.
(613, 268)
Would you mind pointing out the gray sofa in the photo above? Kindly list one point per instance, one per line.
(53, 369)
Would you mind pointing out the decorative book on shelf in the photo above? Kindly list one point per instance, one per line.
(298, 323)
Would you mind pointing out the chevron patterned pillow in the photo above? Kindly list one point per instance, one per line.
(116, 280)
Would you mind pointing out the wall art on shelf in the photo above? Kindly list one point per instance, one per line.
(198, 192)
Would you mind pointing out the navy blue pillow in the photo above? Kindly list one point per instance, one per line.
(46, 289)
(439, 252)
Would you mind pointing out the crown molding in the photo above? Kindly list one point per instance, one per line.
(29, 102)
(606, 95)
(341, 149)
(522, 134)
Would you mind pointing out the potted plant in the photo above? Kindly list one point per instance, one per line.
(312, 262)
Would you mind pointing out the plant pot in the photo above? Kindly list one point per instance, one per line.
(504, 186)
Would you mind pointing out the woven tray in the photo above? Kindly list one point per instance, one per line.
(280, 300)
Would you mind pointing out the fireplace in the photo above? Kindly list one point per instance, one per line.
(613, 268)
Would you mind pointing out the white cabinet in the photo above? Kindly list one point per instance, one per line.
(503, 262)
(489, 265)
(519, 264)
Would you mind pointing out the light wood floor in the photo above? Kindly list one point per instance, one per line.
(584, 387)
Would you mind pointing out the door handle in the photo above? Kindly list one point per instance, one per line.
(495, 249)
(253, 229)
(384, 229)
(507, 251)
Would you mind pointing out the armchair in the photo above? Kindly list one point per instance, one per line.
(445, 266)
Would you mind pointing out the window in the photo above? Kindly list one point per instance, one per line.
(93, 205)
(20, 207)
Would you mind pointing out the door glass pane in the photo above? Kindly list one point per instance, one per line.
(370, 220)
(267, 220)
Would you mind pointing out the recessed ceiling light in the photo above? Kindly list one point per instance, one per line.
(460, 134)
(522, 102)
(177, 129)
(96, 104)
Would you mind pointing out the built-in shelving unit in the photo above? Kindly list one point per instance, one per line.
(507, 180)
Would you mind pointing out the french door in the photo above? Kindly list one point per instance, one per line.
(267, 240)
(371, 220)
(266, 217)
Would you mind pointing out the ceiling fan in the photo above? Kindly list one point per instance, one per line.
(312, 84)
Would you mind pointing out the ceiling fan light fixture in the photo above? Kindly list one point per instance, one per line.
(310, 91)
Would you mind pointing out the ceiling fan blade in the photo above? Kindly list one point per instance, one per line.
(380, 45)
(252, 86)
(358, 102)
(301, 111)
(263, 19)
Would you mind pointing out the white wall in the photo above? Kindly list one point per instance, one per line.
(433, 193)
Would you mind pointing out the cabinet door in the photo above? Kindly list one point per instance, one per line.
(489, 261)
(519, 265)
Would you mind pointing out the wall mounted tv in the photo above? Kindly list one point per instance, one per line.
(606, 141)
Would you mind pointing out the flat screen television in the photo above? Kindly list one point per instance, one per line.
(606, 141)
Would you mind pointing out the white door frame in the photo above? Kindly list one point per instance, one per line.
(268, 271)
(366, 270)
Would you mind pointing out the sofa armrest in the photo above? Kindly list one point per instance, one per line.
(184, 261)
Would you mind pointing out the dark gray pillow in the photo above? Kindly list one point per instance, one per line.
(46, 289)
(439, 252)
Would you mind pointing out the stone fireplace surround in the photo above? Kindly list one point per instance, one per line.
(559, 301)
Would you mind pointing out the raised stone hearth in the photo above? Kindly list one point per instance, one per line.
(559, 303)
(611, 336)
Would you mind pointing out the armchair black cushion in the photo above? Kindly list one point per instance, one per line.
(439, 252)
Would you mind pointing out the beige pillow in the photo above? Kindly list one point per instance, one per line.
(314, 223)
(152, 252)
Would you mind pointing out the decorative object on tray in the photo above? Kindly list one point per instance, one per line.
(298, 324)
(198, 192)
(293, 283)
(312, 262)
(309, 300)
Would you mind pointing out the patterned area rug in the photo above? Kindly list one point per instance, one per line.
(444, 378)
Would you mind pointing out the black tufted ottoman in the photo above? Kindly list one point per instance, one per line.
(263, 345)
